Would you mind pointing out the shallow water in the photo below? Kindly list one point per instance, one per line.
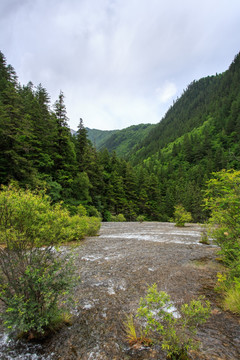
(116, 269)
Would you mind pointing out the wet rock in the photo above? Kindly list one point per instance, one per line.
(116, 269)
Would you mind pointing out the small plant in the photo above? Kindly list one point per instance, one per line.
(131, 333)
(141, 218)
(204, 237)
(230, 292)
(232, 297)
(181, 216)
(176, 329)
(118, 218)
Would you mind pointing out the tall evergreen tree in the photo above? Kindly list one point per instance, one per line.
(82, 146)
(65, 157)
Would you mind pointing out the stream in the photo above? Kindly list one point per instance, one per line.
(115, 269)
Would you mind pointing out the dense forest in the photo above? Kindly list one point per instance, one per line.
(164, 165)
(120, 141)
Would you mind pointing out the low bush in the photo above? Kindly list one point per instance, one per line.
(141, 218)
(35, 287)
(181, 216)
(175, 329)
(204, 237)
(232, 297)
(32, 215)
(118, 218)
(222, 199)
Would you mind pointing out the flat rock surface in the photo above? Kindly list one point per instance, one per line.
(116, 269)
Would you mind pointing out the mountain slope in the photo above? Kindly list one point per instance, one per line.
(212, 95)
(120, 141)
(99, 137)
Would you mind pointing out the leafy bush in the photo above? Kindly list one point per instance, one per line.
(204, 237)
(81, 210)
(118, 218)
(36, 276)
(140, 218)
(176, 329)
(92, 211)
(222, 198)
(181, 216)
(32, 215)
(35, 286)
(232, 297)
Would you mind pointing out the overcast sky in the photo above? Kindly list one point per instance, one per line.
(118, 62)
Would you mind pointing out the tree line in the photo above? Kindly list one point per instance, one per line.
(37, 150)
(200, 134)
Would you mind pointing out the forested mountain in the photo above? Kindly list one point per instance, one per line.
(99, 137)
(200, 134)
(169, 162)
(120, 141)
(214, 96)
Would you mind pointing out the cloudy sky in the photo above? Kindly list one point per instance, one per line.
(118, 62)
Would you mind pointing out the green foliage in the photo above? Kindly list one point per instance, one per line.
(31, 216)
(176, 329)
(133, 335)
(222, 199)
(130, 329)
(36, 277)
(120, 141)
(204, 237)
(181, 216)
(35, 286)
(140, 218)
(118, 218)
(81, 210)
(170, 161)
(231, 299)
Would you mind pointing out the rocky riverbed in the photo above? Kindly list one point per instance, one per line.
(116, 269)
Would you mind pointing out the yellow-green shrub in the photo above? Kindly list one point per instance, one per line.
(32, 216)
(181, 216)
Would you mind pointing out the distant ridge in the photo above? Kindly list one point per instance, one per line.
(120, 141)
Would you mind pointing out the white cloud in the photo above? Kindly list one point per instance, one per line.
(166, 92)
(108, 55)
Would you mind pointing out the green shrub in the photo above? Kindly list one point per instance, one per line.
(181, 216)
(36, 277)
(222, 199)
(92, 211)
(204, 237)
(232, 297)
(176, 329)
(81, 211)
(35, 287)
(118, 218)
(107, 216)
(32, 215)
(140, 218)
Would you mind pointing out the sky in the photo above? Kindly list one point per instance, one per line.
(118, 62)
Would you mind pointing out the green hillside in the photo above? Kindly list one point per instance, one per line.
(213, 96)
(99, 137)
(120, 141)
(200, 134)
